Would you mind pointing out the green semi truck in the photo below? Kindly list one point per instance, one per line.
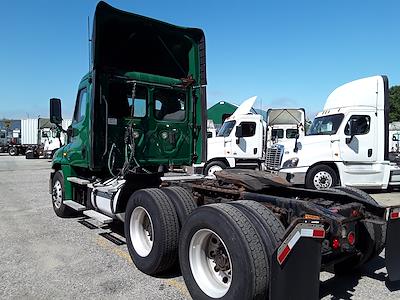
(139, 126)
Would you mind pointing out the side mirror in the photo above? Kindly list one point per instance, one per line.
(352, 130)
(239, 131)
(69, 131)
(55, 111)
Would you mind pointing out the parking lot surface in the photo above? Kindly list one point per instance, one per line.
(46, 257)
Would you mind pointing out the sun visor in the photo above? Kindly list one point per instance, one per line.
(126, 42)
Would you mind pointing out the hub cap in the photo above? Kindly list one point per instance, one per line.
(323, 180)
(213, 169)
(57, 194)
(141, 231)
(210, 263)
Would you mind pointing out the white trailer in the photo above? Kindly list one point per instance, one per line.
(39, 137)
(347, 144)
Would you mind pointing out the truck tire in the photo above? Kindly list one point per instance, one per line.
(182, 200)
(58, 196)
(268, 226)
(321, 177)
(359, 193)
(214, 166)
(222, 256)
(151, 230)
(12, 151)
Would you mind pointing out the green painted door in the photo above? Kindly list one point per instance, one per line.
(79, 148)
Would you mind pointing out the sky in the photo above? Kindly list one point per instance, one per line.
(288, 53)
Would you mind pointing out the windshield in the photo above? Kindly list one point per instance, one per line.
(226, 128)
(326, 125)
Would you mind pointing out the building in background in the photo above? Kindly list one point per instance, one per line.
(219, 112)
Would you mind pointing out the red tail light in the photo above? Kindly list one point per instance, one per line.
(335, 244)
(351, 238)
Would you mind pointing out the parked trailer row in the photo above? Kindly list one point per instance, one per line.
(140, 118)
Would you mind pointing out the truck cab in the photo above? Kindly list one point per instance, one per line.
(239, 142)
(347, 143)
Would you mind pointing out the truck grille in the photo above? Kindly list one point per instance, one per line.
(274, 157)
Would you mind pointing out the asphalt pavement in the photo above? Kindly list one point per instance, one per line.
(46, 257)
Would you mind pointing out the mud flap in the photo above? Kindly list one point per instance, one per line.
(392, 252)
(296, 264)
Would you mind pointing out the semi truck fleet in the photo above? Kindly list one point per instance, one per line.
(140, 121)
(244, 137)
(32, 137)
(347, 144)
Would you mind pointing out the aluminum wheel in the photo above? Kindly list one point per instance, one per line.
(213, 169)
(57, 194)
(210, 263)
(141, 231)
(323, 180)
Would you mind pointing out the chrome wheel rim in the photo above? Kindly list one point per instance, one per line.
(141, 231)
(210, 263)
(323, 180)
(57, 194)
(213, 169)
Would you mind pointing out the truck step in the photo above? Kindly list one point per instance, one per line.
(74, 205)
(103, 219)
(78, 180)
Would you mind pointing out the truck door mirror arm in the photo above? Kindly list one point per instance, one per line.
(295, 143)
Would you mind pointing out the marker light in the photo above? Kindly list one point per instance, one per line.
(335, 244)
(351, 237)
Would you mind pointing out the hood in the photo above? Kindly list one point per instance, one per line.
(124, 41)
(307, 153)
(244, 108)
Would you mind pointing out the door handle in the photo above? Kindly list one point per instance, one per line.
(369, 152)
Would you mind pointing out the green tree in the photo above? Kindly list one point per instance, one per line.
(394, 103)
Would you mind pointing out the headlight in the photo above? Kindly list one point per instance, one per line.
(291, 163)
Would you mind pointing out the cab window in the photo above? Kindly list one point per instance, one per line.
(170, 105)
(80, 108)
(248, 129)
(291, 133)
(226, 128)
(139, 103)
(360, 123)
(277, 133)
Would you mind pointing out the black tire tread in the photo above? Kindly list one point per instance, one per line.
(252, 238)
(170, 224)
(309, 183)
(64, 211)
(275, 226)
(182, 201)
(357, 192)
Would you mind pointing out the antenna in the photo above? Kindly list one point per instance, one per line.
(89, 42)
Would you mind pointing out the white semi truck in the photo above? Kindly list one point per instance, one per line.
(244, 136)
(347, 143)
